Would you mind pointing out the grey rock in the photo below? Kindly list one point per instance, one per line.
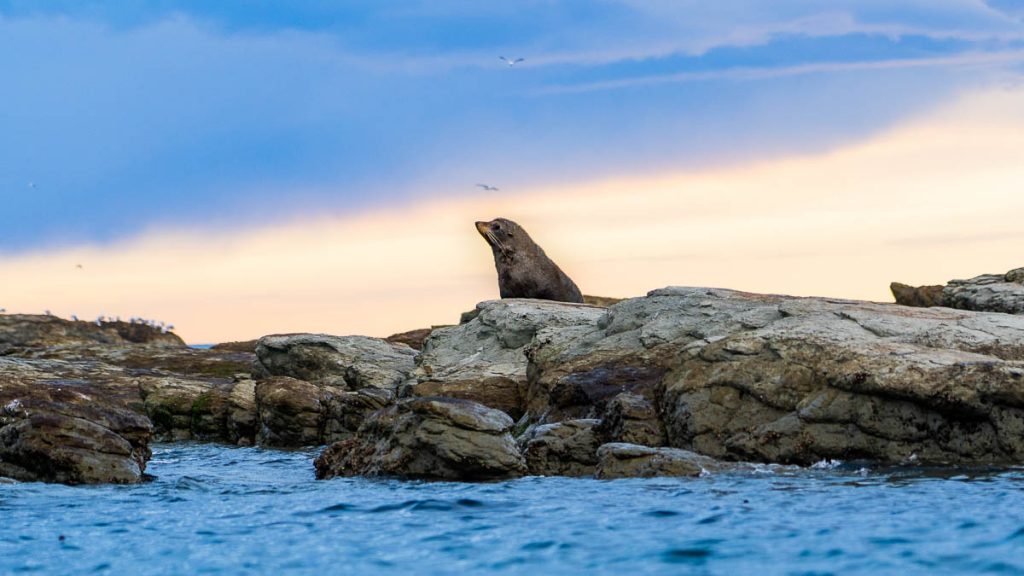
(632, 419)
(345, 411)
(242, 415)
(619, 460)
(347, 362)
(985, 293)
(289, 413)
(483, 360)
(431, 438)
(741, 376)
(563, 449)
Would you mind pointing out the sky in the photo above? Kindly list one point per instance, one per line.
(245, 168)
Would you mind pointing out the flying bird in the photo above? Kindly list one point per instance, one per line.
(511, 63)
(488, 188)
(78, 266)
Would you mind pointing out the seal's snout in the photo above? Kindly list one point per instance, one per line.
(482, 227)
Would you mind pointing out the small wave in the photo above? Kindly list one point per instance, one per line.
(826, 464)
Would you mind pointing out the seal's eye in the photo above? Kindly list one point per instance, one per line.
(496, 227)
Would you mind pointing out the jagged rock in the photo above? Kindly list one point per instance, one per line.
(242, 416)
(985, 293)
(919, 296)
(169, 404)
(432, 438)
(289, 412)
(70, 422)
(618, 460)
(797, 380)
(347, 362)
(632, 419)
(345, 411)
(413, 338)
(564, 449)
(483, 360)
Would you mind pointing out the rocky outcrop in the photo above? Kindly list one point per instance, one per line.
(289, 412)
(82, 401)
(797, 380)
(430, 438)
(345, 362)
(238, 346)
(65, 422)
(483, 360)
(563, 449)
(345, 411)
(23, 332)
(986, 293)
(724, 374)
(632, 419)
(634, 461)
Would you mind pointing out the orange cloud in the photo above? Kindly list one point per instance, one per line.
(935, 199)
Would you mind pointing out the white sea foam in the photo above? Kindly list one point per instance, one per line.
(826, 464)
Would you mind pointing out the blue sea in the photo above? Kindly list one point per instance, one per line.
(221, 510)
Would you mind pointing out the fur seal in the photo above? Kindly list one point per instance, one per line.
(524, 270)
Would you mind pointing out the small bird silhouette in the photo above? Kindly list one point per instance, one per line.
(511, 63)
(78, 266)
(488, 188)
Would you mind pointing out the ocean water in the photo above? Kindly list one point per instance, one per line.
(221, 510)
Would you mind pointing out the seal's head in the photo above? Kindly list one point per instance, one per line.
(501, 234)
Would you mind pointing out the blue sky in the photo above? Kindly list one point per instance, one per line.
(118, 118)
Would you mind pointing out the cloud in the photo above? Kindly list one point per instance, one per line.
(970, 60)
(830, 223)
(172, 113)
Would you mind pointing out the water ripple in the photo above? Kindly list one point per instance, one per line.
(223, 510)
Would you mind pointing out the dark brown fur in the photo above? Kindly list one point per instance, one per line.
(524, 270)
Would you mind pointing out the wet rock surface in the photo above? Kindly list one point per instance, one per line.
(619, 460)
(80, 402)
(429, 438)
(985, 293)
(563, 449)
(64, 422)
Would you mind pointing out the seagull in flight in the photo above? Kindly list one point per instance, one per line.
(511, 63)
(488, 188)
